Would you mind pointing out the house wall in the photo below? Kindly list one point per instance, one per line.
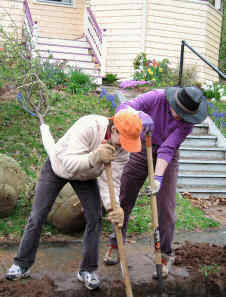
(123, 21)
(213, 38)
(158, 27)
(11, 15)
(58, 21)
(196, 22)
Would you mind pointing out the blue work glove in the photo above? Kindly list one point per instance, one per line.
(147, 122)
(157, 184)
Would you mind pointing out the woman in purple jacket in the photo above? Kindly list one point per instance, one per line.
(174, 111)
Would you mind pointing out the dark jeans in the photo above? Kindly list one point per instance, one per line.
(134, 175)
(47, 189)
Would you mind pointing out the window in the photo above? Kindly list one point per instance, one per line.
(63, 2)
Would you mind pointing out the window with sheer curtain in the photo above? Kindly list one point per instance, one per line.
(63, 2)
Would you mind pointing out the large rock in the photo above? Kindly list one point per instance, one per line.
(12, 184)
(66, 213)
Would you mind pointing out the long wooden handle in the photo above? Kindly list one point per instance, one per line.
(153, 201)
(118, 233)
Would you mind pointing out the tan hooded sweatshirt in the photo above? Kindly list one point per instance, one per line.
(73, 156)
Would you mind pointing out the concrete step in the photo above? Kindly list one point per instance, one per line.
(200, 141)
(75, 52)
(202, 165)
(203, 192)
(76, 63)
(202, 153)
(64, 42)
(64, 48)
(200, 129)
(202, 180)
(200, 173)
(60, 55)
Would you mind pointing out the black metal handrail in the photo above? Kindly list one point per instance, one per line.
(183, 44)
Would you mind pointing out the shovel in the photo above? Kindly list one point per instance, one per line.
(118, 233)
(157, 258)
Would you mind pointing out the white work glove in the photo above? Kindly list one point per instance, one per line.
(157, 183)
(116, 216)
(104, 153)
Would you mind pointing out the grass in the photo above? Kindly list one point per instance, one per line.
(20, 134)
(20, 139)
(188, 217)
(221, 107)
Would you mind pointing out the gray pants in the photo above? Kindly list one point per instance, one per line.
(134, 175)
(47, 189)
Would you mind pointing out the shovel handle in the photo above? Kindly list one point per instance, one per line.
(153, 200)
(118, 233)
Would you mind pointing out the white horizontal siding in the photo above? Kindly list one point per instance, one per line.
(172, 21)
(16, 4)
(168, 23)
(130, 31)
(11, 15)
(213, 35)
(123, 21)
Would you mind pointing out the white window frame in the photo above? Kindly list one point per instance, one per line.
(56, 3)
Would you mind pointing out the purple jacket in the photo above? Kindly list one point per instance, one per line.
(168, 133)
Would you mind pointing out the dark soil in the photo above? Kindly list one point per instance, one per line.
(28, 288)
(205, 263)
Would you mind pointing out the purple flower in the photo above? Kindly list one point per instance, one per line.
(110, 97)
(133, 83)
(103, 93)
(217, 114)
(223, 123)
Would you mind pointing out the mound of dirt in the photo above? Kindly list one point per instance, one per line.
(205, 263)
(27, 288)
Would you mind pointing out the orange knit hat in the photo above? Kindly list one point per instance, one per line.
(129, 126)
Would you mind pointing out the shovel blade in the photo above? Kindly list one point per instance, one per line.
(159, 275)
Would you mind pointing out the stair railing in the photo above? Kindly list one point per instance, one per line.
(183, 44)
(95, 39)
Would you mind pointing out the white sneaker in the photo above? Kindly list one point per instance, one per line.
(16, 272)
(90, 279)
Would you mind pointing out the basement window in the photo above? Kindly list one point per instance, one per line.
(58, 2)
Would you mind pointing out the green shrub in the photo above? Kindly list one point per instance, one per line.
(15, 61)
(214, 91)
(150, 70)
(52, 74)
(79, 83)
(110, 78)
(160, 74)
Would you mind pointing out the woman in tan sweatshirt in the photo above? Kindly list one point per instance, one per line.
(79, 157)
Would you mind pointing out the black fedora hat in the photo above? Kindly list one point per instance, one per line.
(188, 102)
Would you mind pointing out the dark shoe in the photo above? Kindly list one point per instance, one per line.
(90, 279)
(111, 257)
(16, 272)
